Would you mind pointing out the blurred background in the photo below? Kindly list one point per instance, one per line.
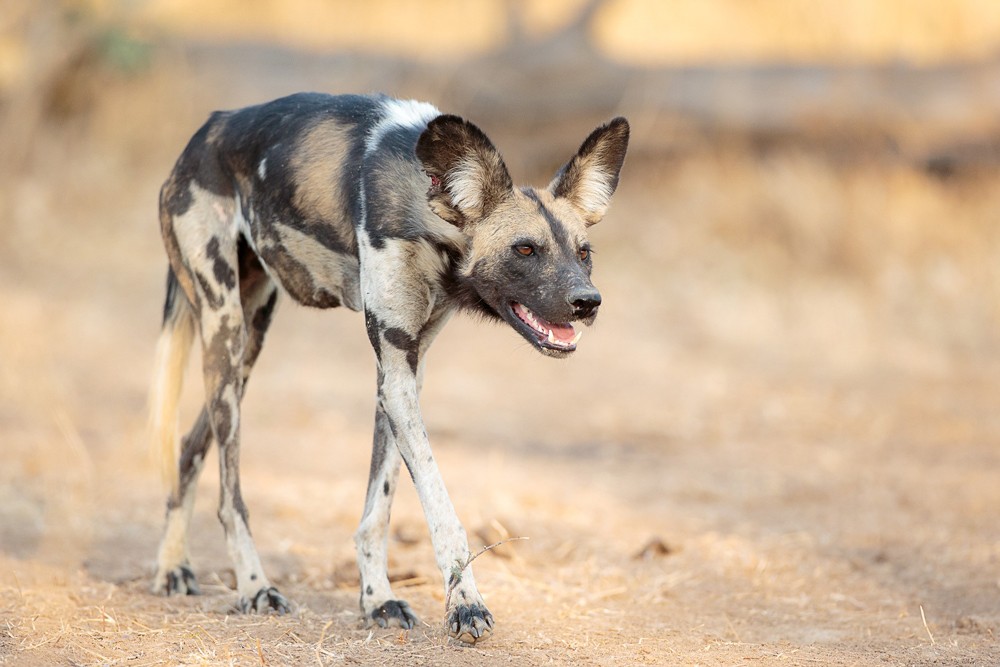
(801, 274)
(816, 169)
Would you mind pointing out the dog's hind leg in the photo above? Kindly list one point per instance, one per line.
(174, 575)
(231, 340)
(259, 296)
(211, 260)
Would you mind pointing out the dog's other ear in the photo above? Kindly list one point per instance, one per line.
(590, 178)
(468, 178)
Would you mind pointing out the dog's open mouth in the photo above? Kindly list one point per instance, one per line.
(562, 337)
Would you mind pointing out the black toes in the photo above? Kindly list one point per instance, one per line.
(266, 600)
(470, 623)
(395, 613)
(181, 581)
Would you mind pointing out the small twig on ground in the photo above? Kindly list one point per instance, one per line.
(319, 644)
(260, 653)
(459, 568)
(924, 619)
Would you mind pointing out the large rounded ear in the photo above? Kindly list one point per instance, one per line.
(468, 178)
(590, 178)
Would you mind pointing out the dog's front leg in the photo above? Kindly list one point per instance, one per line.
(468, 619)
(377, 601)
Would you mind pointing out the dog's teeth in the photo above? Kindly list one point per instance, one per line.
(552, 337)
(576, 338)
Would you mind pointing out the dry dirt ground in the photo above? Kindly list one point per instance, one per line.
(777, 446)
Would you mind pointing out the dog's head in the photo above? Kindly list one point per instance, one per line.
(529, 259)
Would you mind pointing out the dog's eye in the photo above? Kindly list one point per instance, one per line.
(584, 254)
(525, 249)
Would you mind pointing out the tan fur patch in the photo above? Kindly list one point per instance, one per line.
(568, 214)
(318, 166)
(518, 217)
(332, 272)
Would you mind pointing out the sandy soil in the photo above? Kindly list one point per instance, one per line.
(778, 445)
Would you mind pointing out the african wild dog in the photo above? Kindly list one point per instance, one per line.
(375, 204)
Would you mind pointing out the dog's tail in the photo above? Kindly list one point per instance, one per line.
(172, 351)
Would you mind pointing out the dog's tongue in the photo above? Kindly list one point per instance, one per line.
(564, 333)
(561, 333)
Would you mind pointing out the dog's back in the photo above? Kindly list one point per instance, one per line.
(290, 176)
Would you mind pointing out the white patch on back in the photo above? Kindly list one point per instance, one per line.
(262, 169)
(400, 113)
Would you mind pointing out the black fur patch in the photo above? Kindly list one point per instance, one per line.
(169, 303)
(474, 619)
(374, 328)
(266, 600)
(555, 224)
(224, 273)
(194, 446)
(213, 300)
(401, 340)
(262, 318)
(222, 418)
(462, 292)
(397, 611)
(182, 580)
(199, 163)
(175, 195)
(380, 441)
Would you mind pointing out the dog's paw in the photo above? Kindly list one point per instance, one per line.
(266, 600)
(470, 623)
(394, 613)
(178, 581)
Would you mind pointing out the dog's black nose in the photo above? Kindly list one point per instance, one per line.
(585, 302)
